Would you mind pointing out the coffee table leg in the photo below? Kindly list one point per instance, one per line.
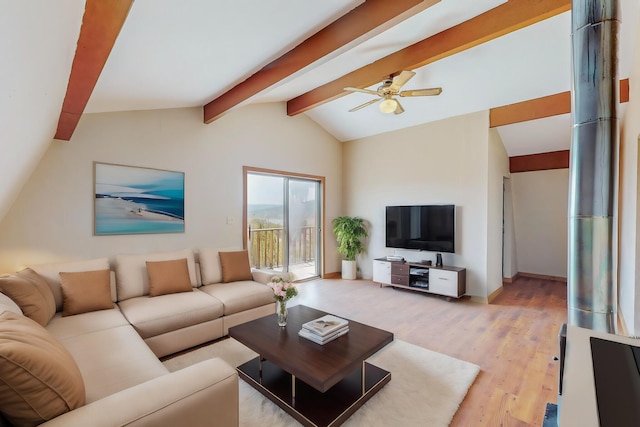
(260, 368)
(363, 379)
(293, 388)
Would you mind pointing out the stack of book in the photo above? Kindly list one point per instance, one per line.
(325, 329)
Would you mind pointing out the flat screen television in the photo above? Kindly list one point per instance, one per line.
(424, 227)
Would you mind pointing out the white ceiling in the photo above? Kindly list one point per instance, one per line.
(173, 54)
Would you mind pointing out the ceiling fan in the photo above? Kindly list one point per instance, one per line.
(389, 89)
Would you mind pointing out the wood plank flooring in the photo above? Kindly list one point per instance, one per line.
(513, 339)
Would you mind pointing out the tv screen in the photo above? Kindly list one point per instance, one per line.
(425, 227)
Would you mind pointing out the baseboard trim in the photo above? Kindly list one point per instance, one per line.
(481, 300)
(494, 294)
(335, 275)
(510, 279)
(543, 276)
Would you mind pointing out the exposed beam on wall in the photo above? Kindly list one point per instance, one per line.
(369, 16)
(539, 162)
(547, 106)
(539, 108)
(101, 25)
(508, 17)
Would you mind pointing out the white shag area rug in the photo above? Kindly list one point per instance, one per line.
(426, 387)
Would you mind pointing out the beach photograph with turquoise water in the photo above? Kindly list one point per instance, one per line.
(134, 200)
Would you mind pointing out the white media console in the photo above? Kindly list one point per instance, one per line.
(447, 281)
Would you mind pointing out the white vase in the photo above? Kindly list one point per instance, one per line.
(349, 269)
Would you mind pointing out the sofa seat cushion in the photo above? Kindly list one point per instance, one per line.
(112, 360)
(240, 296)
(80, 324)
(152, 316)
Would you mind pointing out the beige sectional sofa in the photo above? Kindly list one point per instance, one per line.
(116, 349)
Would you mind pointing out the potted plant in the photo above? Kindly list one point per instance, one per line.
(349, 232)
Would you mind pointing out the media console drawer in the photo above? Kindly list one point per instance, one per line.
(397, 279)
(443, 282)
(399, 268)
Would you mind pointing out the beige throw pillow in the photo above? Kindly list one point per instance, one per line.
(85, 291)
(39, 380)
(235, 266)
(168, 277)
(32, 294)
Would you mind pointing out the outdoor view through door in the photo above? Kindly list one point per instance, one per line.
(283, 217)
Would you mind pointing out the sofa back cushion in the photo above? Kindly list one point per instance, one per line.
(51, 273)
(7, 304)
(39, 380)
(210, 268)
(85, 291)
(31, 293)
(132, 279)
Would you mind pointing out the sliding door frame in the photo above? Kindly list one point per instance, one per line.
(321, 179)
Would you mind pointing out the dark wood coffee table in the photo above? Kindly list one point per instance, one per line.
(319, 385)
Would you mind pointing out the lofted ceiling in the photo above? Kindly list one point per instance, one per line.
(222, 55)
(172, 54)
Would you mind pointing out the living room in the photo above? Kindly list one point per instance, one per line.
(48, 212)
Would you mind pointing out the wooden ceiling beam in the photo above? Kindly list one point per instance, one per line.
(101, 25)
(539, 108)
(508, 17)
(539, 162)
(370, 15)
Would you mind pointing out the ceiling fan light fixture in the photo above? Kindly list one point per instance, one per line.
(388, 105)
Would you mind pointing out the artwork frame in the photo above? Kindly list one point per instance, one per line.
(137, 200)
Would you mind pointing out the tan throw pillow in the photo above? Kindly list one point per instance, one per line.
(85, 291)
(168, 277)
(235, 266)
(32, 294)
(39, 380)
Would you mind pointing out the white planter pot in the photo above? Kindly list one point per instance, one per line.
(349, 270)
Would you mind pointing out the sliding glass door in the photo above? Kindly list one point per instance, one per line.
(283, 217)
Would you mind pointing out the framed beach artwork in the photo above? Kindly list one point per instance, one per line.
(135, 200)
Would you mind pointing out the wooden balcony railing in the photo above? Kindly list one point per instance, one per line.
(266, 246)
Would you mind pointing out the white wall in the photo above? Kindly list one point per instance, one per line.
(628, 211)
(52, 219)
(498, 169)
(510, 254)
(37, 45)
(444, 162)
(540, 205)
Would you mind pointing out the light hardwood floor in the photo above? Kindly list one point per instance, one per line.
(513, 339)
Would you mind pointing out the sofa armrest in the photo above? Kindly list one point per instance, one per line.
(198, 395)
(263, 276)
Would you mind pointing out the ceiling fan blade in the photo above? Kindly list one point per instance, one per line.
(399, 109)
(400, 80)
(422, 92)
(366, 104)
(357, 89)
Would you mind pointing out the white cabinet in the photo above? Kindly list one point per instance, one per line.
(382, 272)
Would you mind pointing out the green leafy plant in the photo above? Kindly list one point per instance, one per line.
(349, 232)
